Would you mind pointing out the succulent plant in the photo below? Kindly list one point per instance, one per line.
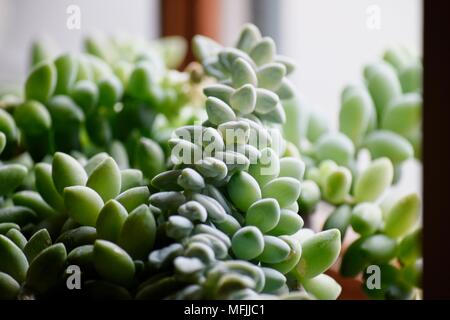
(232, 193)
(383, 117)
(109, 173)
(222, 222)
(112, 98)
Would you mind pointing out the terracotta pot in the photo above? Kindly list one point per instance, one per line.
(351, 287)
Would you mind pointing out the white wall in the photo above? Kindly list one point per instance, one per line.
(234, 13)
(331, 41)
(22, 20)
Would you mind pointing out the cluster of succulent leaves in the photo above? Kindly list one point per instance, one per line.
(234, 228)
(72, 206)
(114, 97)
(225, 196)
(215, 227)
(383, 117)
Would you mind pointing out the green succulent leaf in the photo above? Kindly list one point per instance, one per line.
(285, 190)
(383, 85)
(374, 180)
(366, 218)
(322, 287)
(319, 253)
(83, 204)
(33, 118)
(242, 73)
(46, 268)
(264, 214)
(355, 114)
(110, 220)
(66, 71)
(402, 216)
(244, 99)
(38, 242)
(9, 287)
(263, 52)
(41, 82)
(243, 190)
(66, 172)
(113, 263)
(12, 260)
(270, 76)
(337, 147)
(138, 233)
(46, 188)
(106, 179)
(247, 243)
(11, 176)
(410, 248)
(383, 143)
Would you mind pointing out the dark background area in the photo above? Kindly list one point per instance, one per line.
(436, 154)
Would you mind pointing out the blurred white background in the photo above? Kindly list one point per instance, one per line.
(331, 40)
(23, 20)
